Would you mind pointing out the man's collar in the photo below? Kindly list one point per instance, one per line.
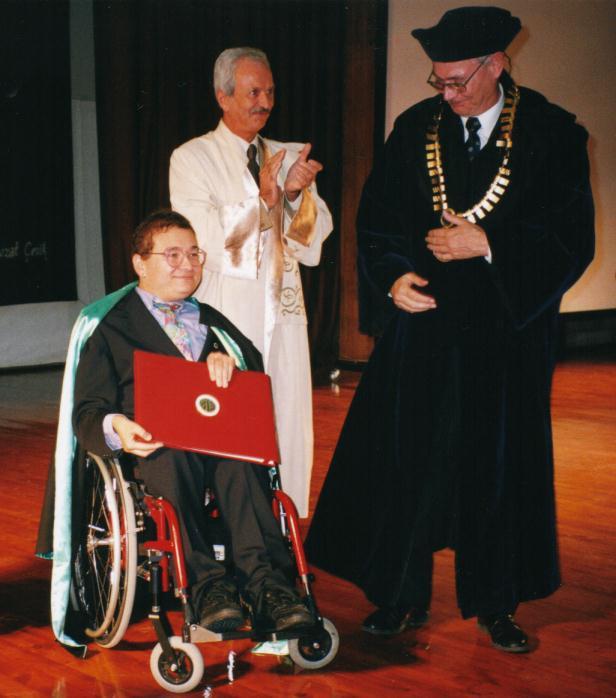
(489, 117)
(149, 299)
(241, 143)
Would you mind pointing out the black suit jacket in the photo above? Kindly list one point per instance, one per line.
(105, 382)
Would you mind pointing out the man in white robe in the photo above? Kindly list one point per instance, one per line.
(257, 221)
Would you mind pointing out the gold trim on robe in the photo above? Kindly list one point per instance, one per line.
(302, 228)
(243, 242)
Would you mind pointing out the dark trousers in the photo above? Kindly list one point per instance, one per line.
(259, 553)
(416, 591)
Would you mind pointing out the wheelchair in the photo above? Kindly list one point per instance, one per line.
(130, 535)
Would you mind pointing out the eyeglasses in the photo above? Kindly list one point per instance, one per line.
(175, 256)
(441, 85)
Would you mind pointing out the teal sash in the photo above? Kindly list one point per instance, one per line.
(231, 347)
(66, 444)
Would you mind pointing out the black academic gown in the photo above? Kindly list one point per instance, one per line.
(448, 439)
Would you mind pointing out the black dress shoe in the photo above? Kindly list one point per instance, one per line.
(391, 620)
(505, 633)
(220, 610)
(280, 608)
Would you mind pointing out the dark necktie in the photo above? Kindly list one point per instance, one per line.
(253, 165)
(473, 144)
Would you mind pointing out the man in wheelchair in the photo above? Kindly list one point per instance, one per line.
(160, 316)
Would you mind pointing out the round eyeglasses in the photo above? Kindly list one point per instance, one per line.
(175, 256)
(441, 85)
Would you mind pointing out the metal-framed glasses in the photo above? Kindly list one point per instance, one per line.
(175, 256)
(441, 85)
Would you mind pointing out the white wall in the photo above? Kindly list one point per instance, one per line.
(566, 50)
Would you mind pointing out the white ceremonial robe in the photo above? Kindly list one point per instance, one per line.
(252, 274)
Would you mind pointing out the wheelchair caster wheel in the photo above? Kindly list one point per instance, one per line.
(184, 673)
(316, 649)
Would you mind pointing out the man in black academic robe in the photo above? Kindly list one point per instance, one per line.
(448, 439)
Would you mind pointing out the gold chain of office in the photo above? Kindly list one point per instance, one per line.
(500, 182)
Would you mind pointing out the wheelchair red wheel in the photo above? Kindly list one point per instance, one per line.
(184, 672)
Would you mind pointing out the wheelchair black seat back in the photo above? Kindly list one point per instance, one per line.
(129, 535)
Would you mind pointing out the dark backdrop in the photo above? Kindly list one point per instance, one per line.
(154, 61)
(37, 249)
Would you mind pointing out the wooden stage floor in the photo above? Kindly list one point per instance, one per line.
(574, 630)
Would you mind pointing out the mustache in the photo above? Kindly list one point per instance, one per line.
(260, 110)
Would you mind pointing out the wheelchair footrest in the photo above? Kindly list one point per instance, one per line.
(199, 634)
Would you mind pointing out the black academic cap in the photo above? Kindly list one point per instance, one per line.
(468, 32)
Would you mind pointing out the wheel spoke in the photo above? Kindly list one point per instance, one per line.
(106, 563)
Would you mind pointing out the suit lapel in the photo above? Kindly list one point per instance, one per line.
(466, 181)
(141, 323)
(455, 160)
(212, 342)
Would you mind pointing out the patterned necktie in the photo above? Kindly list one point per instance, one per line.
(174, 327)
(473, 144)
(253, 165)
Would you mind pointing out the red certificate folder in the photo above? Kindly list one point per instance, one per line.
(176, 401)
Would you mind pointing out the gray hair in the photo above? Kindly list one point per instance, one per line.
(224, 68)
